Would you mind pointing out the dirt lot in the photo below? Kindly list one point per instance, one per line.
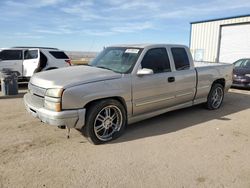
(193, 147)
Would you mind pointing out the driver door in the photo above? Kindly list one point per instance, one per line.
(31, 61)
(155, 91)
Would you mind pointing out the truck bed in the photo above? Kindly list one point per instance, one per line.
(206, 64)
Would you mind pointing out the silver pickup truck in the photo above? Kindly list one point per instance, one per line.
(125, 84)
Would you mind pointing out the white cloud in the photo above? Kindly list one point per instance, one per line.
(133, 5)
(122, 16)
(85, 14)
(32, 3)
(134, 27)
(111, 17)
(92, 32)
(208, 8)
(45, 31)
(60, 29)
(22, 35)
(115, 11)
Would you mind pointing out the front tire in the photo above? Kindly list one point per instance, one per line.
(105, 121)
(215, 97)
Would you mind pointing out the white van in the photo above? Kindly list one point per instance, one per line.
(26, 61)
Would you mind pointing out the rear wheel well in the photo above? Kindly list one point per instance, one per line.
(220, 81)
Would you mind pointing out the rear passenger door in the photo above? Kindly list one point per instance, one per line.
(153, 92)
(31, 61)
(185, 76)
(11, 59)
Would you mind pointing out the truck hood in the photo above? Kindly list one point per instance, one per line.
(71, 76)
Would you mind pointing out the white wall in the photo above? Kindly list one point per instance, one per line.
(205, 38)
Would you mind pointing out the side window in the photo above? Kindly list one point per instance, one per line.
(59, 55)
(157, 60)
(181, 60)
(31, 54)
(11, 55)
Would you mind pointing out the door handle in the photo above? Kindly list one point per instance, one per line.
(171, 79)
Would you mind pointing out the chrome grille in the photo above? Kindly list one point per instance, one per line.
(37, 91)
(35, 101)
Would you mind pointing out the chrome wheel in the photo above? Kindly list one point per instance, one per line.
(108, 121)
(217, 97)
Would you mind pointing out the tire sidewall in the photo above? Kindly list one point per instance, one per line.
(91, 116)
(209, 99)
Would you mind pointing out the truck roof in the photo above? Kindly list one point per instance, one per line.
(147, 45)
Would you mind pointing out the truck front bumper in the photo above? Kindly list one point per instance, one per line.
(69, 118)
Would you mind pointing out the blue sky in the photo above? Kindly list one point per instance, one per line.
(88, 25)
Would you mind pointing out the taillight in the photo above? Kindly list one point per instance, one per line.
(68, 61)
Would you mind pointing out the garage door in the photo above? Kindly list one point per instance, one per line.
(235, 43)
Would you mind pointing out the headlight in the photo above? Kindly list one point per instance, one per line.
(53, 99)
(247, 75)
(54, 92)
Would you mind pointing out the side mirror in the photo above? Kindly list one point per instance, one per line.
(145, 71)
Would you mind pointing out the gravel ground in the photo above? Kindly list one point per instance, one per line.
(192, 147)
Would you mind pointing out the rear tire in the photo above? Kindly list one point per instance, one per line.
(215, 97)
(105, 121)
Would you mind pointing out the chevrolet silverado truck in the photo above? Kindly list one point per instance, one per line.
(125, 84)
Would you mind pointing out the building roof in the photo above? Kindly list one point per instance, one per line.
(218, 19)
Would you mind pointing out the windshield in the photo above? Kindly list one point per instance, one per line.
(243, 63)
(117, 59)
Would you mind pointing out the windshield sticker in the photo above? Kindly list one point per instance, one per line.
(134, 51)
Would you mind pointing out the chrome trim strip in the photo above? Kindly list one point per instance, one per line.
(157, 112)
(203, 87)
(155, 101)
(184, 94)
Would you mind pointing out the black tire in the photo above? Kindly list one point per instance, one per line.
(38, 69)
(97, 118)
(214, 100)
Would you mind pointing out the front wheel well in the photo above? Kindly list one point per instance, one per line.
(119, 99)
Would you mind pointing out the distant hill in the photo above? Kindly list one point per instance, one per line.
(78, 55)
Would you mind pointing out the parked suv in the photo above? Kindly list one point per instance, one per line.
(28, 60)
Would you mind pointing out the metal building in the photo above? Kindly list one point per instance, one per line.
(221, 40)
